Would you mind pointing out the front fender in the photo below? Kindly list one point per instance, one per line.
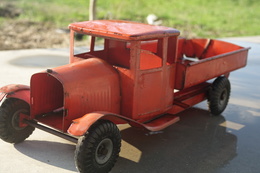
(15, 91)
(81, 125)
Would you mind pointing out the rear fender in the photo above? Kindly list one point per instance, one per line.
(81, 125)
(15, 91)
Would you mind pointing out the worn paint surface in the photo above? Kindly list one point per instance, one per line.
(82, 87)
(208, 59)
(16, 91)
(125, 30)
(134, 76)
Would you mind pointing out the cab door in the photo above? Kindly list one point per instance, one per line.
(154, 79)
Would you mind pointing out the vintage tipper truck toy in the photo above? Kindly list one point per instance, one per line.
(142, 75)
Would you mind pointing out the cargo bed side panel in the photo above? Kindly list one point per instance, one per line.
(193, 73)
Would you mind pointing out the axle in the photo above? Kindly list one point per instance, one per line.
(52, 131)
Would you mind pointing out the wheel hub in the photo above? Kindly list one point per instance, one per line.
(16, 120)
(104, 151)
(223, 97)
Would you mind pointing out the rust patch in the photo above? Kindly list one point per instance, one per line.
(13, 87)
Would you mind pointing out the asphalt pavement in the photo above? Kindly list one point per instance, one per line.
(198, 143)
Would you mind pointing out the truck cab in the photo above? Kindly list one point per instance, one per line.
(144, 57)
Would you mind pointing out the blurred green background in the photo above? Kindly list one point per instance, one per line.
(194, 18)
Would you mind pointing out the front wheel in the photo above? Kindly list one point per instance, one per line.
(10, 111)
(98, 150)
(219, 95)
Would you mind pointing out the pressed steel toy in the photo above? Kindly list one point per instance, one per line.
(140, 75)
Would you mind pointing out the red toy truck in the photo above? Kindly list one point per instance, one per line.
(141, 75)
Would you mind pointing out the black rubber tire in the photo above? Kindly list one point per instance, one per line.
(219, 95)
(97, 151)
(9, 121)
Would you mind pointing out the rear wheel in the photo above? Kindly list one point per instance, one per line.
(10, 131)
(219, 95)
(98, 150)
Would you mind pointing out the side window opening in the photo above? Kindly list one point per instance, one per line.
(150, 45)
(150, 54)
(119, 53)
(115, 52)
(81, 43)
(99, 44)
(88, 46)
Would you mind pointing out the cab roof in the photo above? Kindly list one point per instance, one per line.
(123, 30)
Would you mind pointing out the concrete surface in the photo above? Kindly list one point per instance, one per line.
(199, 143)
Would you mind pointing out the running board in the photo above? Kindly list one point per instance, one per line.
(161, 123)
